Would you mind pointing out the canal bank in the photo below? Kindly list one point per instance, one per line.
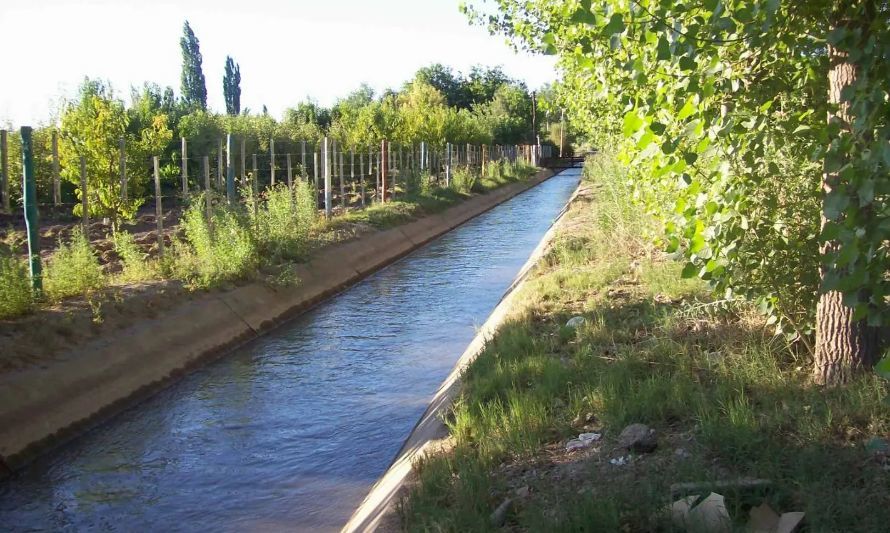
(44, 406)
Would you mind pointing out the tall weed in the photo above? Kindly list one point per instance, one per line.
(463, 180)
(136, 265)
(284, 221)
(73, 269)
(223, 252)
(16, 297)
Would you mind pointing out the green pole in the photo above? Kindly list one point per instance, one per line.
(29, 190)
(230, 169)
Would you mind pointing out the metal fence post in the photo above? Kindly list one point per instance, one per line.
(29, 201)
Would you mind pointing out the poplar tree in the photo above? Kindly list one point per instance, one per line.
(194, 87)
(232, 87)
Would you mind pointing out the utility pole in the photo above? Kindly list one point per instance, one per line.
(562, 132)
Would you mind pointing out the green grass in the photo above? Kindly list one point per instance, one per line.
(708, 376)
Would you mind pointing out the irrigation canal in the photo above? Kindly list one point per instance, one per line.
(290, 431)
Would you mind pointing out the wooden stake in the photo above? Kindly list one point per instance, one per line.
(207, 192)
(57, 182)
(84, 198)
(185, 168)
(272, 160)
(159, 210)
(4, 171)
(122, 165)
(290, 174)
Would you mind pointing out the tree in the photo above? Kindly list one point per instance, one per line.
(452, 86)
(92, 126)
(232, 87)
(717, 101)
(193, 85)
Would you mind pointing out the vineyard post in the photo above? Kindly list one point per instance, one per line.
(243, 162)
(371, 173)
(448, 164)
(255, 182)
(342, 186)
(4, 171)
(352, 169)
(230, 167)
(84, 197)
(185, 168)
(272, 160)
(315, 169)
(122, 143)
(384, 159)
(57, 182)
(290, 175)
(159, 209)
(333, 157)
(361, 176)
(208, 203)
(255, 194)
(305, 172)
(220, 168)
(422, 156)
(29, 201)
(328, 200)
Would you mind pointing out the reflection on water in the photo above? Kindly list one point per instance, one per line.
(290, 431)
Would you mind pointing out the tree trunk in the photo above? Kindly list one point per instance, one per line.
(843, 346)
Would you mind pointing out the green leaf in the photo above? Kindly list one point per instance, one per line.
(615, 25)
(689, 271)
(664, 49)
(866, 192)
(583, 15)
(883, 368)
(632, 123)
(687, 109)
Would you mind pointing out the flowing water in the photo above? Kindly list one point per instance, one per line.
(290, 431)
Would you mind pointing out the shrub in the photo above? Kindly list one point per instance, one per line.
(16, 297)
(463, 180)
(135, 263)
(73, 269)
(223, 252)
(284, 221)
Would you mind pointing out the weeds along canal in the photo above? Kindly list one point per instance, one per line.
(291, 430)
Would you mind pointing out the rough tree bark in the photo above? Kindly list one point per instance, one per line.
(843, 346)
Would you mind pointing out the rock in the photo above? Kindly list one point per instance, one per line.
(638, 438)
(522, 492)
(619, 461)
(584, 440)
(681, 453)
(575, 322)
(499, 516)
(590, 437)
(576, 444)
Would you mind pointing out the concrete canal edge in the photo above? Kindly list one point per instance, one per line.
(42, 407)
(378, 511)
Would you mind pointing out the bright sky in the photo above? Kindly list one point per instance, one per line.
(287, 49)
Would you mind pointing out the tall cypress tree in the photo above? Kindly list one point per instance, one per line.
(194, 87)
(232, 87)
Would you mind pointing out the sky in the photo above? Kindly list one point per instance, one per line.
(288, 50)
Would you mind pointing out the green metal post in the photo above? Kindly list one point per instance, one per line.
(32, 222)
